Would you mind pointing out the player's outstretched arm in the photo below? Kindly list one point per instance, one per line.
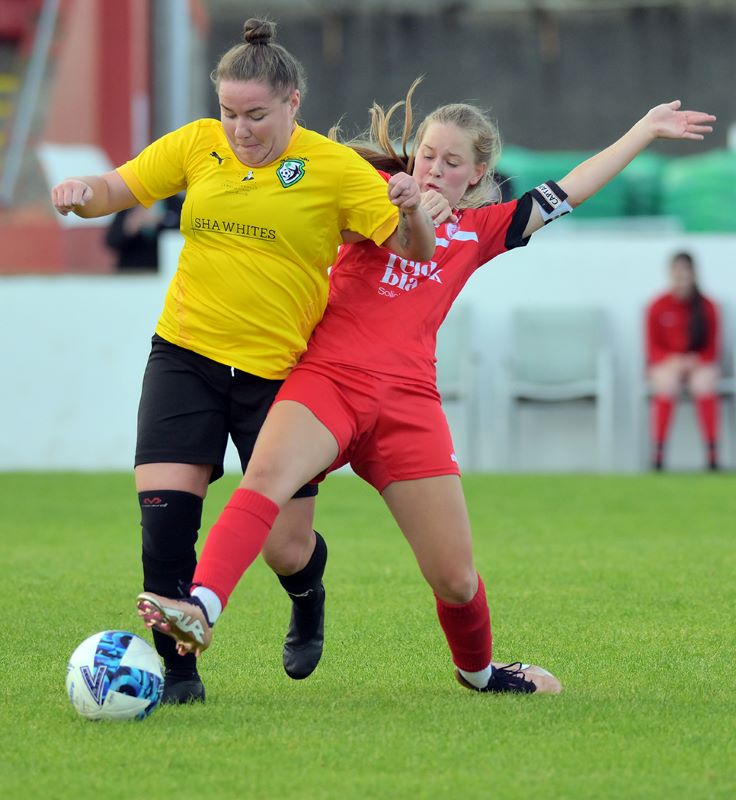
(665, 121)
(414, 236)
(92, 196)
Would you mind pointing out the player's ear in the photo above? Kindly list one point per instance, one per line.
(480, 171)
(294, 100)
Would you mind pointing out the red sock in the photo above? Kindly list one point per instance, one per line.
(467, 628)
(662, 407)
(707, 406)
(234, 542)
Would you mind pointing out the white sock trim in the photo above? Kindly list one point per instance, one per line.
(209, 600)
(478, 679)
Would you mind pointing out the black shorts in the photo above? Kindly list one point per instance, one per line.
(191, 404)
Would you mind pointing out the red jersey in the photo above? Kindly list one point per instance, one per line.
(383, 311)
(668, 329)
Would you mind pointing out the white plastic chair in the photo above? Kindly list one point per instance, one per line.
(558, 354)
(457, 377)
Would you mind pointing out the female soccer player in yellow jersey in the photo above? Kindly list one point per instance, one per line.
(267, 205)
(365, 390)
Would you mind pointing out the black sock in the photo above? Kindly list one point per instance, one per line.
(712, 455)
(176, 666)
(170, 523)
(304, 586)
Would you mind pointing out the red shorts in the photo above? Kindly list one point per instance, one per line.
(386, 431)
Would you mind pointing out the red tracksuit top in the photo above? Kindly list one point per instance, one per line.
(667, 329)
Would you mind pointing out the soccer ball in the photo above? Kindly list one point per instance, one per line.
(114, 675)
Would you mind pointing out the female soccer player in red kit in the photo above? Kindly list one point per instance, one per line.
(682, 350)
(365, 391)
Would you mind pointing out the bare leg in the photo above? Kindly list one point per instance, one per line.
(432, 515)
(292, 447)
(666, 377)
(291, 542)
(293, 550)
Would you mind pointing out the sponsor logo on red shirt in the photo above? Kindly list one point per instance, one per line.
(404, 274)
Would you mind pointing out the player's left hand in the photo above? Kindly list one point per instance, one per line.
(403, 192)
(669, 122)
(437, 206)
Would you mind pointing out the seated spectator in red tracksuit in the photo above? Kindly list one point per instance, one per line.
(682, 352)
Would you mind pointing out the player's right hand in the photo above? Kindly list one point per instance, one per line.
(403, 191)
(70, 195)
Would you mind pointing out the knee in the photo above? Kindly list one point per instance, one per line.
(665, 379)
(288, 554)
(261, 473)
(270, 479)
(703, 383)
(456, 586)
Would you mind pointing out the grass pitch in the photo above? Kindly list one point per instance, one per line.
(622, 586)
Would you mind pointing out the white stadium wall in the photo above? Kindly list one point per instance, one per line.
(74, 349)
(618, 272)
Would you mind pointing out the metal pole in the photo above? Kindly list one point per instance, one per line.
(172, 65)
(27, 99)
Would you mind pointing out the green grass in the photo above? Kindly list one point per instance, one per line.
(622, 586)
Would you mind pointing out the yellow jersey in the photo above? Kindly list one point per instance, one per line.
(251, 282)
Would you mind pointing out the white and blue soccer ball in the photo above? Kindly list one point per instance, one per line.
(114, 675)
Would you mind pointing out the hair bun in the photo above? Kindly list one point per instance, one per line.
(259, 31)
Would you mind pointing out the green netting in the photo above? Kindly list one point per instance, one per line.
(698, 190)
(643, 180)
(529, 168)
(701, 191)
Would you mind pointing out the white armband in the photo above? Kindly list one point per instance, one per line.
(552, 201)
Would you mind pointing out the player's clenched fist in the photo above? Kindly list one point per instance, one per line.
(403, 191)
(70, 194)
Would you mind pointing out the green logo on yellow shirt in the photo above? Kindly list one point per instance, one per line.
(290, 172)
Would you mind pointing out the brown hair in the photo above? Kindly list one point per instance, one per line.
(698, 326)
(260, 59)
(377, 146)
